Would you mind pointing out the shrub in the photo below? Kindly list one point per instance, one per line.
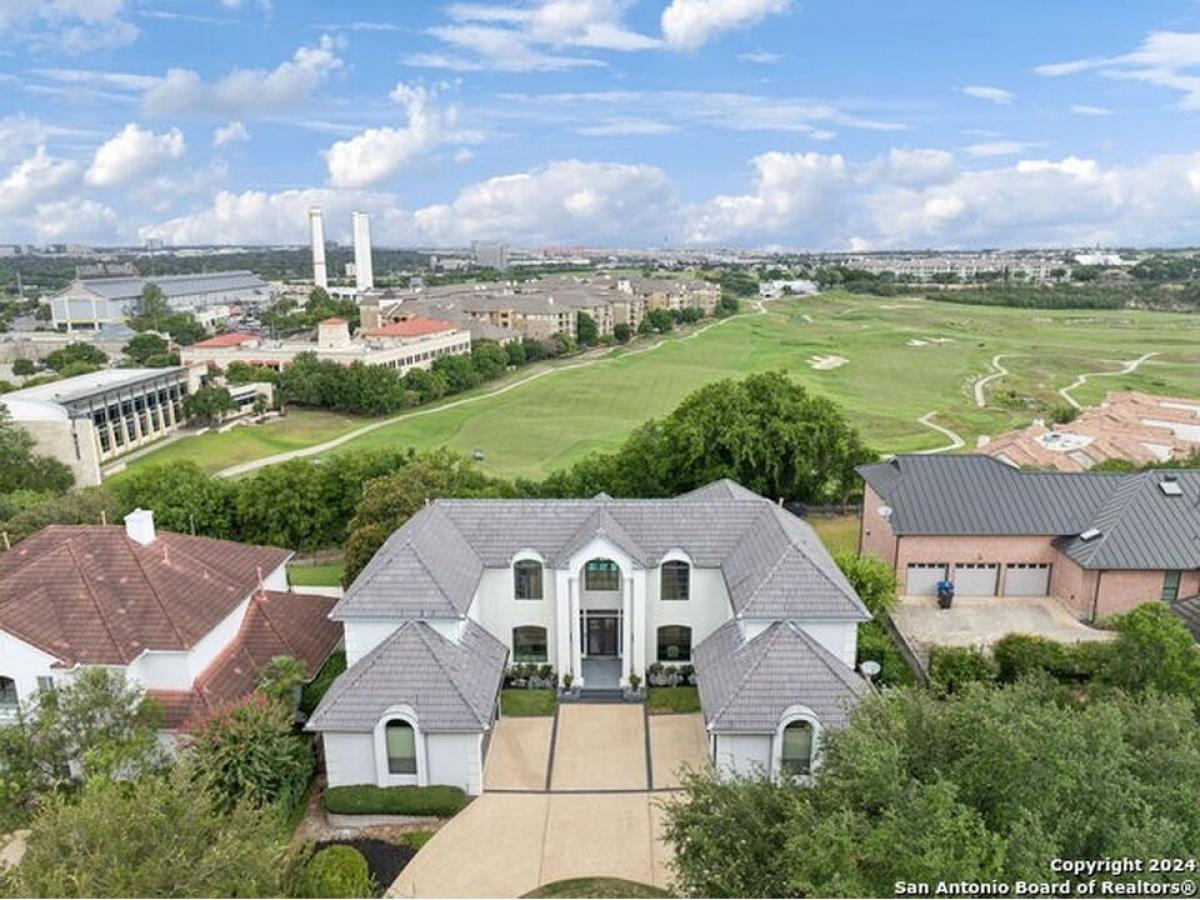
(953, 668)
(1022, 654)
(438, 800)
(337, 871)
(312, 692)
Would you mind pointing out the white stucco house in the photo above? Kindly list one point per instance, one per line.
(192, 620)
(602, 589)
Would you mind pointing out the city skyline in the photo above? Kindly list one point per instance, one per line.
(744, 123)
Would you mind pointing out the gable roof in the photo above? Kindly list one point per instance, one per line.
(1139, 525)
(450, 686)
(90, 594)
(774, 564)
(276, 624)
(748, 685)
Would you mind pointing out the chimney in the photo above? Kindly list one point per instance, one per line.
(139, 525)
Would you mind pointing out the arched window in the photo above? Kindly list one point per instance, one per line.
(401, 748)
(527, 579)
(676, 575)
(674, 644)
(529, 643)
(601, 575)
(797, 751)
(8, 695)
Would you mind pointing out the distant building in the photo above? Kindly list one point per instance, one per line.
(771, 290)
(95, 302)
(414, 344)
(89, 419)
(364, 271)
(316, 227)
(490, 255)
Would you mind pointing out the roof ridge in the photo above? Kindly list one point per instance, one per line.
(154, 593)
(69, 544)
(820, 569)
(450, 676)
(256, 600)
(753, 667)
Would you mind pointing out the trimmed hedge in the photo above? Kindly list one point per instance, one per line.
(337, 871)
(438, 800)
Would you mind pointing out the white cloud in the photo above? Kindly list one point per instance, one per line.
(74, 220)
(1001, 148)
(71, 26)
(229, 133)
(1167, 59)
(131, 153)
(37, 178)
(377, 154)
(1083, 109)
(245, 91)
(991, 94)
(530, 38)
(689, 24)
(761, 57)
(622, 127)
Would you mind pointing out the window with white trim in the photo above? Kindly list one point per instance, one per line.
(8, 695)
(675, 580)
(529, 643)
(527, 579)
(674, 644)
(1171, 581)
(601, 575)
(797, 753)
(401, 740)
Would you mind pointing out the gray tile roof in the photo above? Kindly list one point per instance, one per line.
(1140, 526)
(774, 564)
(746, 686)
(451, 687)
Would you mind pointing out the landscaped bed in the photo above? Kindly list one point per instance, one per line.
(597, 887)
(384, 860)
(679, 699)
(526, 702)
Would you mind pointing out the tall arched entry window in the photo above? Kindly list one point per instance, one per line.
(601, 575)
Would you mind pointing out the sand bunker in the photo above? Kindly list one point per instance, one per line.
(827, 362)
(899, 306)
(807, 318)
(917, 342)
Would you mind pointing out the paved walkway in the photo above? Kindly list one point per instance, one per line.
(956, 440)
(1080, 381)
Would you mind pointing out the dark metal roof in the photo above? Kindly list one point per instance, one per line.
(1139, 525)
(1188, 609)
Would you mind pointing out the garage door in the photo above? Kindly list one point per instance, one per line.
(975, 579)
(1027, 580)
(922, 578)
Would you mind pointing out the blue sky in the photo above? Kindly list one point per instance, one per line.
(767, 123)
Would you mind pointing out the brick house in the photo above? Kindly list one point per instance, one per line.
(1100, 543)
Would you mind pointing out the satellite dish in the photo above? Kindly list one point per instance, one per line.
(870, 668)
(885, 511)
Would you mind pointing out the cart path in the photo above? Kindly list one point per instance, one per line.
(593, 357)
(1081, 380)
(998, 372)
(956, 440)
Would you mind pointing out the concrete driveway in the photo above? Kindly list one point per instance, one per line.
(600, 747)
(677, 742)
(981, 621)
(505, 845)
(519, 754)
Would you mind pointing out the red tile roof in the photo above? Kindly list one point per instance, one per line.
(334, 321)
(411, 328)
(89, 594)
(230, 339)
(276, 624)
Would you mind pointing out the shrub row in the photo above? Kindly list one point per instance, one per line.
(438, 800)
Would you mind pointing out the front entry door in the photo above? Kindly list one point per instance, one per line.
(602, 636)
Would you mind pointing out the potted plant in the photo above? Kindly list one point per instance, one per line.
(568, 686)
(634, 691)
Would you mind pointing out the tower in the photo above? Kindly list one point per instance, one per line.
(316, 225)
(364, 275)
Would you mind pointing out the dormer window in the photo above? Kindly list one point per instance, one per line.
(527, 579)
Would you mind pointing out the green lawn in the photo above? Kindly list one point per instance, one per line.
(308, 575)
(838, 533)
(525, 702)
(884, 387)
(597, 887)
(680, 699)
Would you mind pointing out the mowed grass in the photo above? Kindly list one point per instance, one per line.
(213, 451)
(839, 534)
(318, 575)
(527, 702)
(884, 387)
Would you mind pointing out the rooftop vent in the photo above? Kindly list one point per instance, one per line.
(1170, 487)
(1090, 535)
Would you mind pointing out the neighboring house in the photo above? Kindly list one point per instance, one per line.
(95, 302)
(193, 620)
(1141, 428)
(601, 589)
(1100, 543)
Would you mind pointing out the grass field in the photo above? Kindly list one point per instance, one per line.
(309, 575)
(885, 385)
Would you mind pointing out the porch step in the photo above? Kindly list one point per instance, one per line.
(600, 695)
